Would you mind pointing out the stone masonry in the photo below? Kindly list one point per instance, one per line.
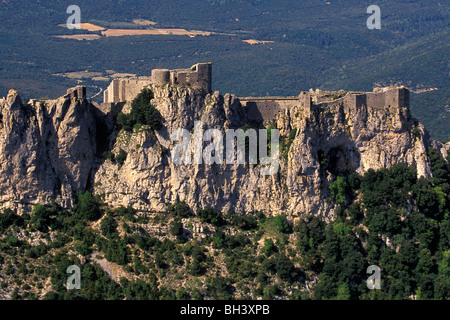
(126, 89)
(265, 108)
(258, 109)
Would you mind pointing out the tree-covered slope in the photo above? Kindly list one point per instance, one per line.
(315, 44)
(387, 218)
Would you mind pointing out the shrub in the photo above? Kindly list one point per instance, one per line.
(176, 228)
(338, 189)
(142, 113)
(218, 239)
(245, 222)
(41, 217)
(127, 213)
(9, 218)
(269, 247)
(179, 209)
(284, 267)
(118, 252)
(109, 227)
(210, 216)
(121, 157)
(323, 159)
(286, 144)
(282, 224)
(88, 207)
(109, 155)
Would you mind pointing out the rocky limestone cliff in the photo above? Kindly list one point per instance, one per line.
(48, 151)
(352, 140)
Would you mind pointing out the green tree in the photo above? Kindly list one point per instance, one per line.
(218, 239)
(179, 209)
(282, 224)
(338, 189)
(109, 226)
(9, 218)
(269, 247)
(88, 206)
(426, 197)
(343, 292)
(142, 113)
(209, 215)
(176, 228)
(284, 267)
(121, 157)
(442, 282)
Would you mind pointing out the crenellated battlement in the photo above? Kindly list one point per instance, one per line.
(126, 89)
(78, 92)
(265, 108)
(257, 108)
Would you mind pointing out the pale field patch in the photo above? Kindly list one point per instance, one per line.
(253, 41)
(80, 74)
(134, 32)
(87, 26)
(144, 22)
(80, 37)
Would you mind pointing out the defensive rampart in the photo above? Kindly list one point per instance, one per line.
(126, 89)
(258, 109)
(265, 108)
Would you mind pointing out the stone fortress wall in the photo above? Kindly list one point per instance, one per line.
(265, 108)
(259, 109)
(78, 92)
(126, 89)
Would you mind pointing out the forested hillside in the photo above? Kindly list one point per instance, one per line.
(387, 218)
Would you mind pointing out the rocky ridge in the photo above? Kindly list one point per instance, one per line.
(48, 151)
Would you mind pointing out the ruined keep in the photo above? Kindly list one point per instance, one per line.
(78, 92)
(126, 89)
(258, 109)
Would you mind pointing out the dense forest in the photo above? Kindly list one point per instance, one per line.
(386, 217)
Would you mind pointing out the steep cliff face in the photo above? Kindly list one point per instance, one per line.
(328, 142)
(334, 141)
(47, 150)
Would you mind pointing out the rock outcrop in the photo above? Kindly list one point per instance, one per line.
(48, 152)
(47, 149)
(351, 140)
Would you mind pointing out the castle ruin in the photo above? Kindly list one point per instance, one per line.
(263, 109)
(259, 109)
(126, 89)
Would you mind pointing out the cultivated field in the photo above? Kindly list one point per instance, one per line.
(253, 41)
(134, 32)
(87, 26)
(143, 22)
(80, 36)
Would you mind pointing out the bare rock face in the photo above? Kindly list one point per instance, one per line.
(47, 150)
(328, 142)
